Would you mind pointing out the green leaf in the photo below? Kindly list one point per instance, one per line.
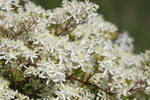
(18, 75)
(28, 89)
(129, 81)
(53, 26)
(1, 62)
(27, 85)
(72, 37)
(78, 72)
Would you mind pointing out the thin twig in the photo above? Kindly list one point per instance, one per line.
(86, 83)
(132, 89)
(90, 76)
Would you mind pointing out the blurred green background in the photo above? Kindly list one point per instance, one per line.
(130, 15)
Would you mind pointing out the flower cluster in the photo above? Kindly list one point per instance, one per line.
(69, 53)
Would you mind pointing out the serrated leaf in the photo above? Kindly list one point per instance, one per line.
(78, 72)
(1, 62)
(18, 75)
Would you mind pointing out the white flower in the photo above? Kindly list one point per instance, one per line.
(70, 52)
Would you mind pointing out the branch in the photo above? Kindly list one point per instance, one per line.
(133, 89)
(93, 85)
(26, 29)
(90, 76)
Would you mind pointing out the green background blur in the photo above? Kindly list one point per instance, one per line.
(130, 15)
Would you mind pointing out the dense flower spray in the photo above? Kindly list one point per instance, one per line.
(69, 53)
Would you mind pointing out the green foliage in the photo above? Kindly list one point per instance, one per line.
(18, 75)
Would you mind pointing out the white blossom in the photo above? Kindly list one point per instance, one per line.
(70, 53)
